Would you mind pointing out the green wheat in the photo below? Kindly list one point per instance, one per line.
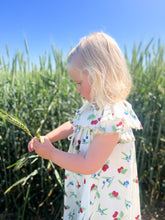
(18, 123)
(15, 121)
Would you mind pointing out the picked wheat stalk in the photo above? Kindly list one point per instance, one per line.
(15, 121)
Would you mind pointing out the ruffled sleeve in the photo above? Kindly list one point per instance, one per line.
(118, 117)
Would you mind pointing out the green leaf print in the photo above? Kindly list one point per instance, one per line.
(121, 214)
(82, 209)
(127, 157)
(107, 181)
(91, 117)
(101, 211)
(94, 176)
(77, 203)
(71, 215)
(125, 183)
(72, 194)
(135, 180)
(124, 154)
(123, 171)
(120, 182)
(127, 204)
(98, 194)
(114, 128)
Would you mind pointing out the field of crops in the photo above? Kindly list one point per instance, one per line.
(43, 96)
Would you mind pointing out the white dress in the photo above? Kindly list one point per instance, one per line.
(112, 192)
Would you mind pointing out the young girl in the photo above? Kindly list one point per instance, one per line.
(101, 180)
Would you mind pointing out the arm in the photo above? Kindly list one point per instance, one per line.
(98, 153)
(61, 132)
(57, 134)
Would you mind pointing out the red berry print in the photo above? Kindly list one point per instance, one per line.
(115, 194)
(78, 185)
(81, 210)
(105, 167)
(84, 181)
(119, 124)
(94, 122)
(115, 214)
(119, 170)
(66, 177)
(93, 185)
(65, 207)
(136, 180)
(99, 119)
(79, 142)
(137, 217)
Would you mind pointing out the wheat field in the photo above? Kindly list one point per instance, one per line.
(43, 96)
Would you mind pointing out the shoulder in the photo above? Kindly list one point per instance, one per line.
(118, 115)
(121, 116)
(88, 115)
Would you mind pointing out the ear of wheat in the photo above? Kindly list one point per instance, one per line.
(15, 121)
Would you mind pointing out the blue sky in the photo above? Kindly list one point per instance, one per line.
(63, 23)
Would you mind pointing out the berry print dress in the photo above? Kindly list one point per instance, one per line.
(112, 193)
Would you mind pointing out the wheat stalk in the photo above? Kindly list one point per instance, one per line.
(15, 121)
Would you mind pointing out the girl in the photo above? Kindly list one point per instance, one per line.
(101, 180)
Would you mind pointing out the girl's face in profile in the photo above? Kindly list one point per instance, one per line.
(82, 81)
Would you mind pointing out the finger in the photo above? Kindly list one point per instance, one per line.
(42, 139)
(35, 143)
(46, 139)
(30, 146)
(35, 139)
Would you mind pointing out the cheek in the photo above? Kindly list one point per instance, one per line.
(87, 91)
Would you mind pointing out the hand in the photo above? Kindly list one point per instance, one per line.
(43, 149)
(30, 145)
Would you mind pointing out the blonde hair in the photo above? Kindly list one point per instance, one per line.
(100, 56)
